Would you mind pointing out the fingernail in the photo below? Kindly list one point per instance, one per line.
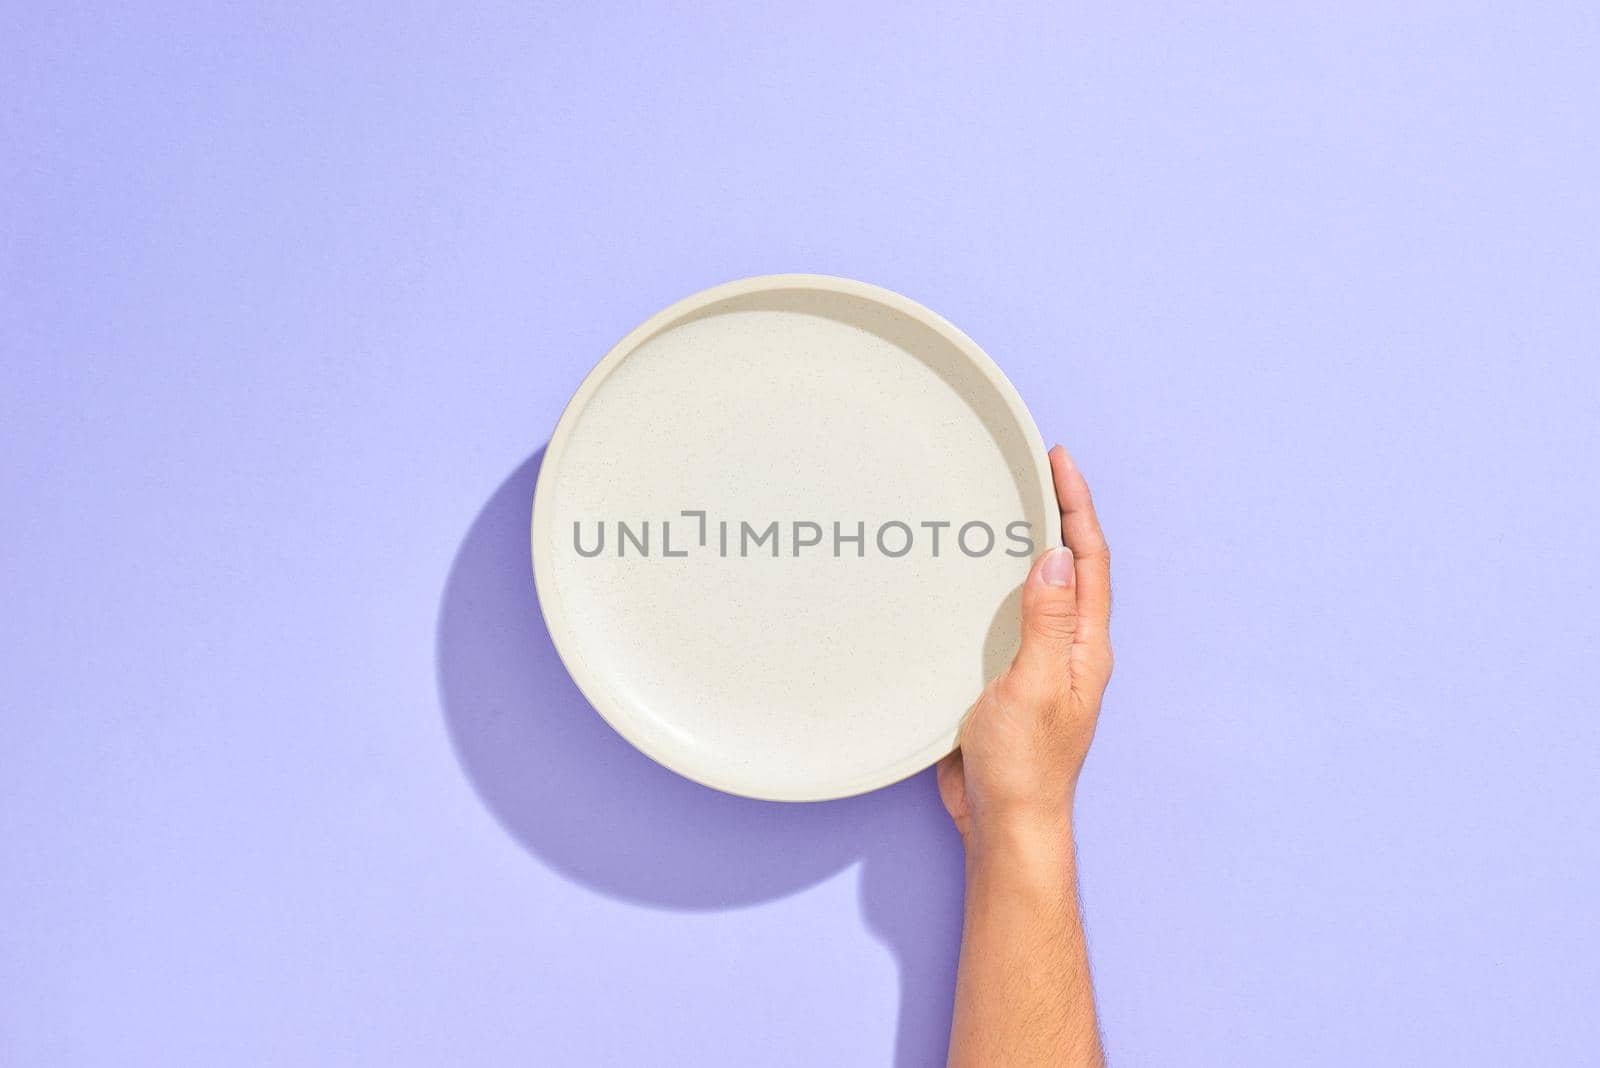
(1057, 569)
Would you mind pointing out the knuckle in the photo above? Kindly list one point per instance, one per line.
(1012, 689)
(1032, 688)
(1023, 688)
(1054, 619)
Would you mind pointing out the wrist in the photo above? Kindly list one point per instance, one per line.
(1034, 846)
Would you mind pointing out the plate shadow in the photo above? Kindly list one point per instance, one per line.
(588, 805)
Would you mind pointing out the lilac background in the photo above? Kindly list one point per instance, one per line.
(291, 299)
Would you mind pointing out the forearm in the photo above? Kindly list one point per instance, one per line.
(1023, 994)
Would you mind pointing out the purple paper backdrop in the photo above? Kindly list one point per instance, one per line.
(291, 300)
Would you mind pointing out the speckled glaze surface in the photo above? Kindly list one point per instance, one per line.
(694, 535)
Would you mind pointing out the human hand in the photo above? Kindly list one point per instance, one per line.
(1024, 741)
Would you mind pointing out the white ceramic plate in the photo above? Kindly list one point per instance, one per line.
(835, 666)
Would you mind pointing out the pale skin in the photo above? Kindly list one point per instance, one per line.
(1023, 992)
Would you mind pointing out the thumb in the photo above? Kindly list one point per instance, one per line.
(1049, 620)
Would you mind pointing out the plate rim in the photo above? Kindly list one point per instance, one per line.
(592, 684)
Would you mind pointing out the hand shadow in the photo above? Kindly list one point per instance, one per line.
(590, 806)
